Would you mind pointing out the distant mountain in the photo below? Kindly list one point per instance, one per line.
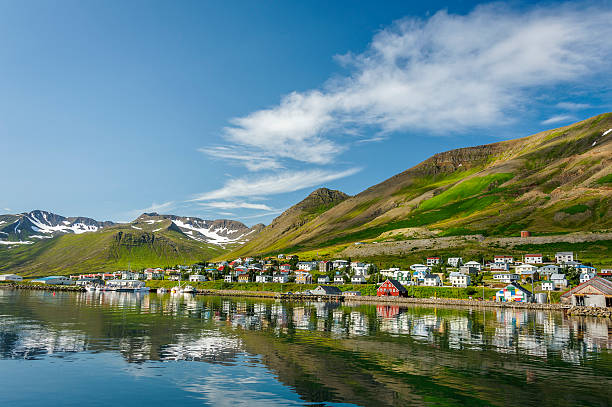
(43, 225)
(557, 181)
(42, 243)
(219, 232)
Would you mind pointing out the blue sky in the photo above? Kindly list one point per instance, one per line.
(239, 109)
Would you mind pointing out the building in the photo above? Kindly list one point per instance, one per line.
(533, 258)
(454, 261)
(391, 288)
(323, 279)
(559, 280)
(10, 277)
(195, 278)
(525, 233)
(280, 256)
(503, 259)
(285, 267)
(564, 257)
(596, 292)
(499, 267)
(85, 281)
(338, 279)
(53, 280)
(280, 278)
(419, 275)
(459, 279)
(513, 293)
(360, 268)
(468, 270)
(340, 263)
(584, 277)
(243, 278)
(154, 274)
(420, 267)
(432, 261)
(325, 266)
(432, 280)
(352, 293)
(525, 269)
(358, 279)
(303, 278)
(263, 278)
(307, 265)
(506, 277)
(549, 269)
(548, 285)
(474, 264)
(228, 278)
(326, 290)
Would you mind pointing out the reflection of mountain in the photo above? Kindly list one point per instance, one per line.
(370, 355)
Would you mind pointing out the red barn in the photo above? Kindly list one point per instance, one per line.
(391, 288)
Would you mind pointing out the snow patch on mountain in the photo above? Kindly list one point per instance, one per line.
(208, 234)
(5, 242)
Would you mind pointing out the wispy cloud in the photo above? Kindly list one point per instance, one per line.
(559, 118)
(445, 73)
(280, 183)
(572, 106)
(236, 205)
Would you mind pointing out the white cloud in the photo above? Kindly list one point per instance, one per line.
(445, 73)
(236, 205)
(284, 182)
(558, 119)
(573, 106)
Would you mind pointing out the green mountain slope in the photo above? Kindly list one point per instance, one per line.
(113, 248)
(557, 181)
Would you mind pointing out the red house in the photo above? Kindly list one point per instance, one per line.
(391, 288)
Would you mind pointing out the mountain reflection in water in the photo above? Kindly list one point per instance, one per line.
(262, 351)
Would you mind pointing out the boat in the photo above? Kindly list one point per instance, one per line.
(90, 288)
(189, 290)
(128, 286)
(161, 290)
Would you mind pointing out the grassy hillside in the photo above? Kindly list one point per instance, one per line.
(554, 182)
(111, 249)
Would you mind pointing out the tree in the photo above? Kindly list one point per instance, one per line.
(572, 275)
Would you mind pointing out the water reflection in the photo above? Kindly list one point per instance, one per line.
(330, 351)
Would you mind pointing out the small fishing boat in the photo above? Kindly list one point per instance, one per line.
(161, 290)
(90, 288)
(189, 290)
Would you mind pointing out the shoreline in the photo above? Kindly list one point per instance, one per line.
(390, 301)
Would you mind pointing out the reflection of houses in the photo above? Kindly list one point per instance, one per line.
(387, 311)
(596, 292)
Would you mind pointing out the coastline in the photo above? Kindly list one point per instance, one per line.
(390, 301)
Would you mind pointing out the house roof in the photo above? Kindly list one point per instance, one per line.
(397, 285)
(599, 283)
(329, 289)
(431, 276)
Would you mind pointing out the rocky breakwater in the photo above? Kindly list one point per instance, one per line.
(43, 287)
(590, 312)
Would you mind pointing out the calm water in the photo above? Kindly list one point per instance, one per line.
(120, 348)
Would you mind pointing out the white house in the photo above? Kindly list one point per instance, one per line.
(229, 278)
(323, 280)
(338, 279)
(549, 269)
(559, 279)
(280, 278)
(404, 277)
(340, 263)
(358, 279)
(420, 267)
(419, 275)
(154, 275)
(197, 278)
(584, 277)
(454, 261)
(263, 278)
(459, 279)
(503, 259)
(533, 258)
(360, 268)
(499, 266)
(132, 275)
(548, 285)
(53, 280)
(432, 280)
(525, 269)
(564, 257)
(506, 277)
(474, 264)
(432, 261)
(10, 277)
(307, 265)
(285, 267)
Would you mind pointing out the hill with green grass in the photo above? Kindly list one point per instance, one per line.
(555, 182)
(152, 240)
